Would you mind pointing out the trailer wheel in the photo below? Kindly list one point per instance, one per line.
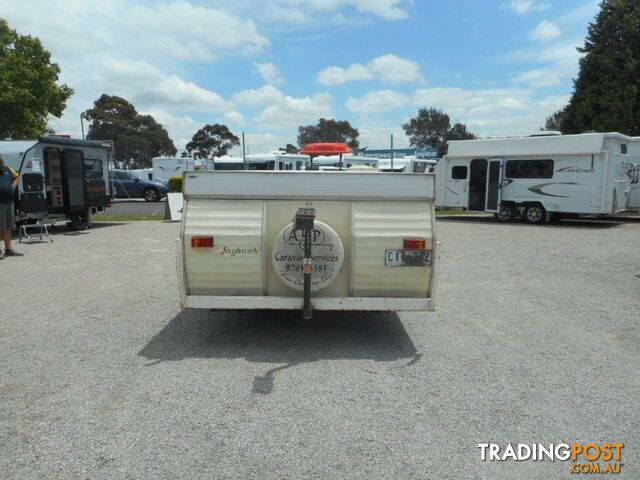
(506, 213)
(78, 222)
(535, 214)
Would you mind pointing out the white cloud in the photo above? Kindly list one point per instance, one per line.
(306, 11)
(261, 97)
(280, 111)
(504, 111)
(378, 135)
(387, 68)
(332, 76)
(234, 117)
(377, 101)
(543, 77)
(520, 7)
(270, 73)
(545, 31)
(292, 112)
(181, 128)
(394, 69)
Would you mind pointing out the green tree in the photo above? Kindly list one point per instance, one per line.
(339, 131)
(606, 94)
(290, 149)
(432, 128)
(554, 121)
(29, 91)
(211, 141)
(137, 138)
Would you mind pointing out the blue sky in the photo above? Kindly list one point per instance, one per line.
(266, 67)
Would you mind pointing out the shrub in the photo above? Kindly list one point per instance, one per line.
(175, 184)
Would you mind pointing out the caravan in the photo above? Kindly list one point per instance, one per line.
(60, 178)
(537, 177)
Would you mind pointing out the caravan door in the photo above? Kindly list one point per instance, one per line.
(494, 184)
(73, 187)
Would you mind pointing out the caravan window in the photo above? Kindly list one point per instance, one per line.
(93, 169)
(229, 166)
(529, 168)
(459, 172)
(262, 165)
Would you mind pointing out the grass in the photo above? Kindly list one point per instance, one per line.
(126, 218)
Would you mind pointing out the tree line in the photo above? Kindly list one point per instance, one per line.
(605, 97)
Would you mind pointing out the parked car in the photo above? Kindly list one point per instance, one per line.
(125, 184)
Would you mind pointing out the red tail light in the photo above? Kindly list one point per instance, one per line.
(202, 242)
(415, 244)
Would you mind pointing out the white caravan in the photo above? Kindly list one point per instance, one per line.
(537, 177)
(309, 240)
(408, 164)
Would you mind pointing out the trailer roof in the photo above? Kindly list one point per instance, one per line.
(75, 142)
(584, 143)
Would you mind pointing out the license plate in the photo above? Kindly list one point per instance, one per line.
(407, 258)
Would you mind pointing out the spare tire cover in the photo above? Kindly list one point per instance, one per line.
(327, 253)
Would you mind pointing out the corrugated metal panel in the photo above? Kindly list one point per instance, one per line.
(234, 265)
(379, 226)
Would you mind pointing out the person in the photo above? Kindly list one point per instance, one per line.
(8, 183)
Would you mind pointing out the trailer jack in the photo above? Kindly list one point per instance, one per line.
(304, 221)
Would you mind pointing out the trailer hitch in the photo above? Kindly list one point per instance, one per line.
(303, 221)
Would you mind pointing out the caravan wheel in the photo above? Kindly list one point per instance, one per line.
(506, 213)
(535, 214)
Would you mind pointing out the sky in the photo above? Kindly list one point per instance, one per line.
(267, 67)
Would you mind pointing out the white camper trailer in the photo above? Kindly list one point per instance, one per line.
(166, 167)
(536, 177)
(321, 240)
(61, 179)
(163, 168)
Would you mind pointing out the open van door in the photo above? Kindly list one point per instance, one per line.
(73, 186)
(494, 182)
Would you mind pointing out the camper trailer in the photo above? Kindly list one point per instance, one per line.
(61, 179)
(307, 240)
(539, 177)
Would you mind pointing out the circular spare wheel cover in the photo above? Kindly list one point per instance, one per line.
(288, 256)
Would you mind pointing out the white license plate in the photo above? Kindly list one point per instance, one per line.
(407, 258)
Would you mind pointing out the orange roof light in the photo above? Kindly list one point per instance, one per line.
(315, 149)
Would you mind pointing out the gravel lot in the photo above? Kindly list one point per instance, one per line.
(535, 339)
(134, 207)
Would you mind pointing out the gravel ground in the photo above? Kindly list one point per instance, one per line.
(535, 339)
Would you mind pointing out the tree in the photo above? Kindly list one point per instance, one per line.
(289, 149)
(137, 138)
(339, 131)
(211, 141)
(554, 122)
(606, 94)
(29, 91)
(432, 128)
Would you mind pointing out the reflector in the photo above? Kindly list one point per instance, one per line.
(415, 244)
(201, 242)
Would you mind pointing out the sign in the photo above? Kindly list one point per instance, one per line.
(326, 260)
(421, 154)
